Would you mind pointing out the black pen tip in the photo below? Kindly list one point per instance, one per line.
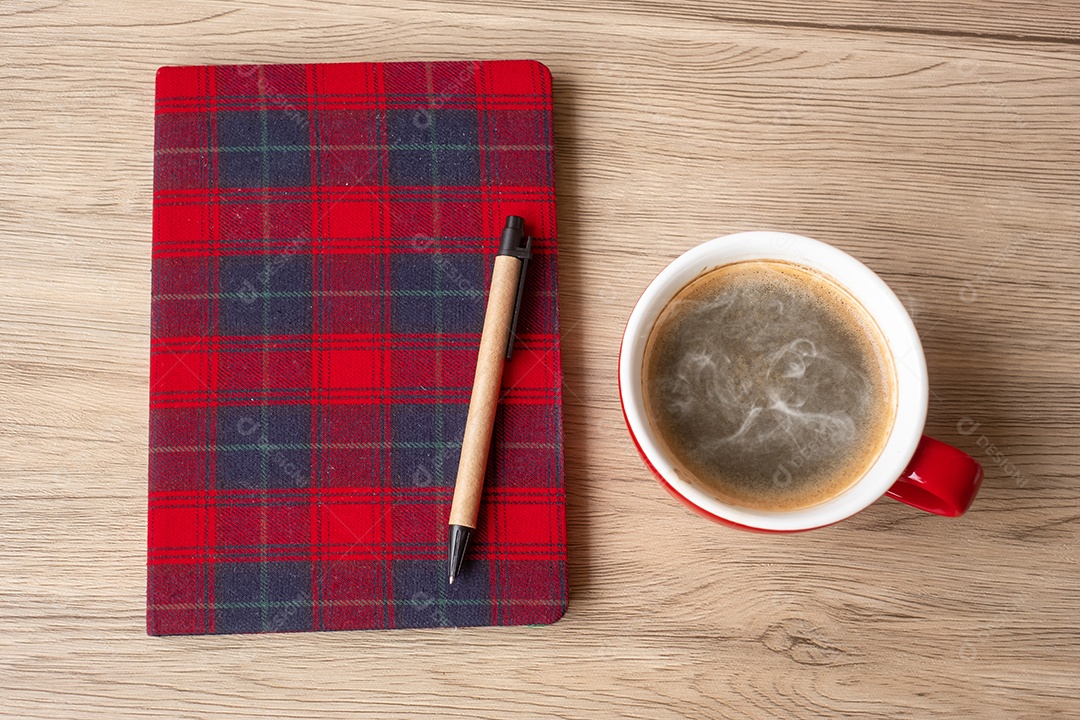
(455, 551)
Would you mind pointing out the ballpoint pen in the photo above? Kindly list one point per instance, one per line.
(496, 346)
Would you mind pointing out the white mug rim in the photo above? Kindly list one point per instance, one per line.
(876, 298)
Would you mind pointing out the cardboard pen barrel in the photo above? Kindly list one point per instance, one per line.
(485, 392)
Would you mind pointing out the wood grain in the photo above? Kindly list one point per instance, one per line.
(937, 142)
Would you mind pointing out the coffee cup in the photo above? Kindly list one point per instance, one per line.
(901, 462)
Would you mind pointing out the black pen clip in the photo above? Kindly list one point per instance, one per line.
(511, 244)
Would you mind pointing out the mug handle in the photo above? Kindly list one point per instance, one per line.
(939, 479)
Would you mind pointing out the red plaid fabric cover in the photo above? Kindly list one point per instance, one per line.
(323, 240)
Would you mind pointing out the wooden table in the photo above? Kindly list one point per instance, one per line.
(939, 142)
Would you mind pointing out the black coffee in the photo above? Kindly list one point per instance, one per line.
(769, 385)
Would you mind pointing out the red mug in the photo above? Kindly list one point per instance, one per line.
(911, 467)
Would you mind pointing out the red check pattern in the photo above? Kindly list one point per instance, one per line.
(323, 240)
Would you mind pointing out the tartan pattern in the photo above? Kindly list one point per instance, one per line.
(323, 239)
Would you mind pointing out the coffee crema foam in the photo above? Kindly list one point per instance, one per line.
(769, 385)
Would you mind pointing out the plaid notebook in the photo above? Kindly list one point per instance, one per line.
(323, 239)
